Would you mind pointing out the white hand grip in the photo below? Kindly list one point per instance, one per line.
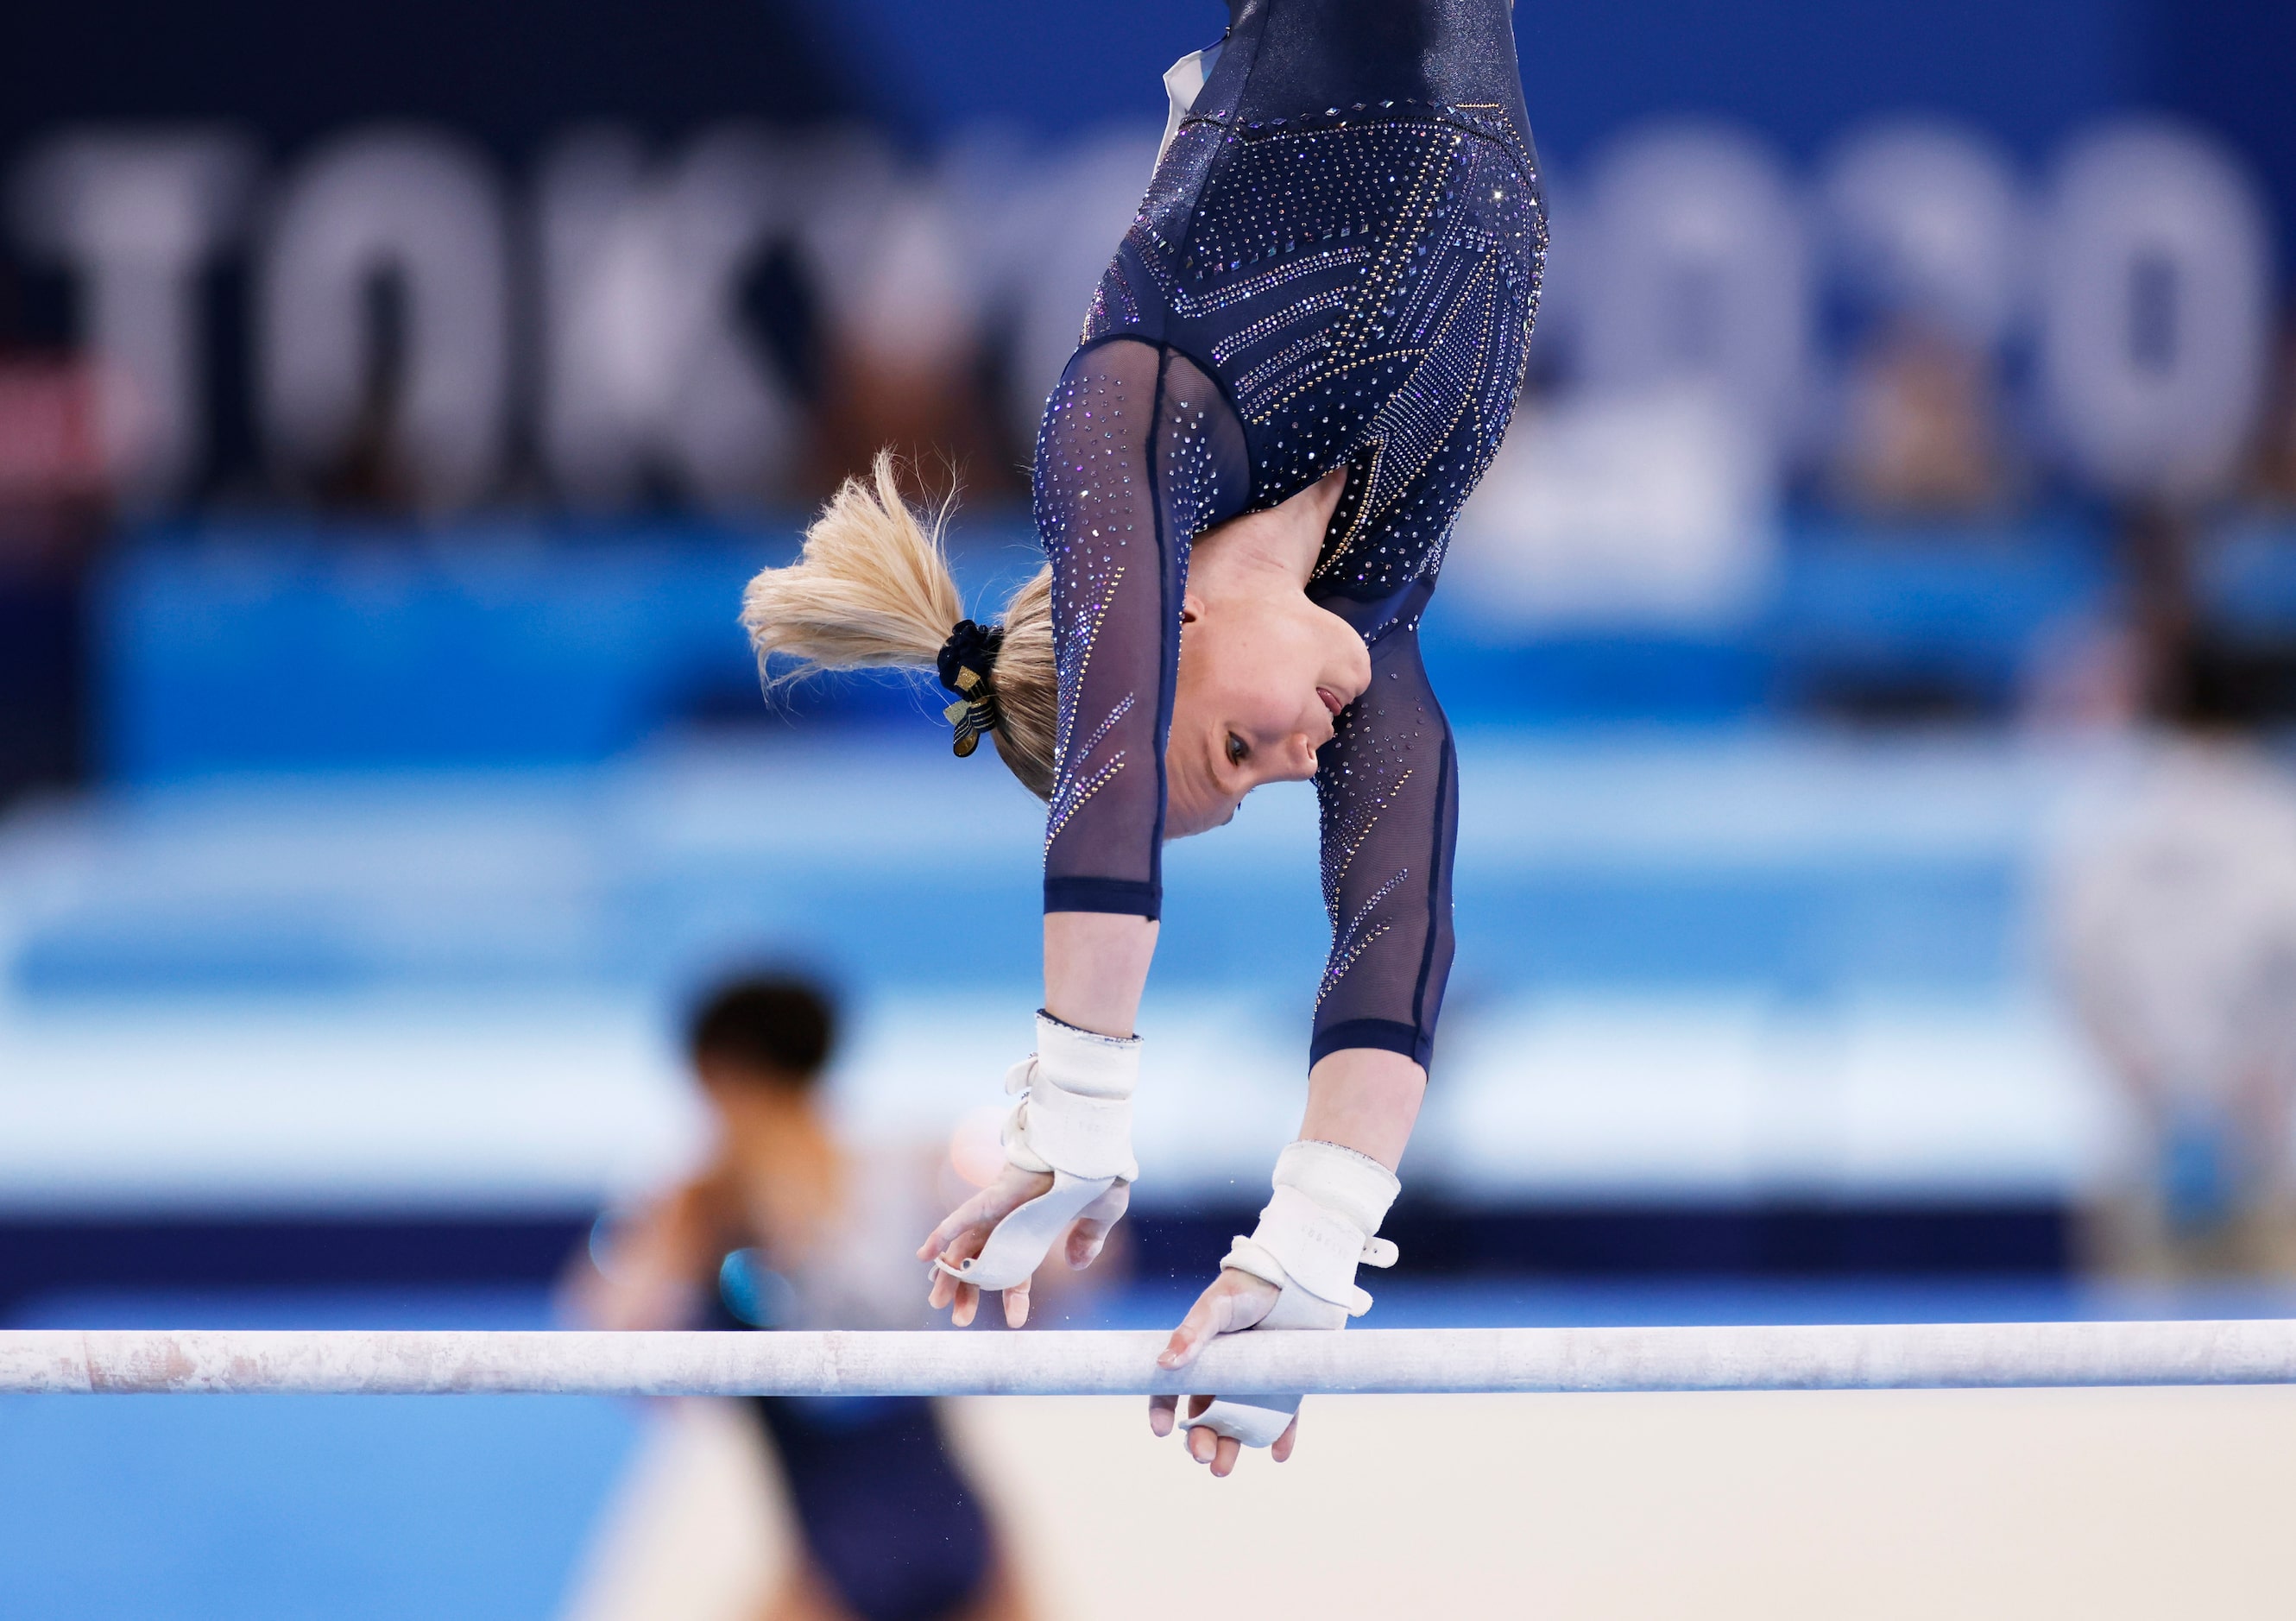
(1020, 1241)
(1074, 1121)
(1319, 1226)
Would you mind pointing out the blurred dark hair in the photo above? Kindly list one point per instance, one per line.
(774, 1023)
(2198, 676)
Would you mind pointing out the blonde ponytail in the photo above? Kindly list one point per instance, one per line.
(872, 590)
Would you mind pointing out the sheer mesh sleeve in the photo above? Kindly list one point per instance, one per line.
(1139, 452)
(1388, 787)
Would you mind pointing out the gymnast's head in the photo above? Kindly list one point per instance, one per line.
(1264, 672)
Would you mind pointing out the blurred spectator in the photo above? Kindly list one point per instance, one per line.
(787, 1228)
(2275, 462)
(1922, 433)
(905, 361)
(50, 455)
(2085, 674)
(51, 484)
(2173, 917)
(2175, 926)
(2162, 652)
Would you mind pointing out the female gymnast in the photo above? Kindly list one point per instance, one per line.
(1300, 361)
(787, 1227)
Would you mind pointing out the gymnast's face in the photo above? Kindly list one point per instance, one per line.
(1263, 677)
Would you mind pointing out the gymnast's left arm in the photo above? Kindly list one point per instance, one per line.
(1138, 454)
(1387, 789)
(1387, 785)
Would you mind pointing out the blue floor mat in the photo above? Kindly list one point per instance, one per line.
(340, 1507)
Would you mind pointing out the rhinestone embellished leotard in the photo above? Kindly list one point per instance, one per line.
(1337, 262)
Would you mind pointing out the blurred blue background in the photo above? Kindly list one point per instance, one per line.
(393, 401)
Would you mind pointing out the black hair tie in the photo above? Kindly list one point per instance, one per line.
(966, 660)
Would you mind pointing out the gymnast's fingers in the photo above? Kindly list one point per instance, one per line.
(963, 1221)
(1204, 1444)
(1285, 1442)
(1089, 1231)
(945, 1287)
(1189, 1338)
(943, 1291)
(1235, 1301)
(968, 1303)
(1163, 1412)
(1016, 1305)
(1087, 1237)
(1225, 1455)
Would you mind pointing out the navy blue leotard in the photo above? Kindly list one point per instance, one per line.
(1337, 262)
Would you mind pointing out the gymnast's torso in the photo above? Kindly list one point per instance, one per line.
(1346, 231)
(1336, 264)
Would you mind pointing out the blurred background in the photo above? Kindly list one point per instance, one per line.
(1873, 657)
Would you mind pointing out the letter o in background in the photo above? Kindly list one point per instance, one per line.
(2156, 321)
(417, 208)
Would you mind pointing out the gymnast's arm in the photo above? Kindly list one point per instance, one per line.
(1096, 968)
(1386, 785)
(1139, 452)
(1387, 790)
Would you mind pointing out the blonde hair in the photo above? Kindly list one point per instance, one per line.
(872, 590)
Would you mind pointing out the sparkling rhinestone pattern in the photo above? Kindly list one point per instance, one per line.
(1356, 936)
(1352, 282)
(1071, 786)
(1365, 279)
(1129, 470)
(1385, 790)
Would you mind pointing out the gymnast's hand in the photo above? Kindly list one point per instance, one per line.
(1235, 1301)
(959, 1238)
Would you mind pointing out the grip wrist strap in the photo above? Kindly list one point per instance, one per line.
(1319, 1226)
(1074, 1122)
(1075, 1113)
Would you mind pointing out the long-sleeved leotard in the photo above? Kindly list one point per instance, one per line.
(1336, 264)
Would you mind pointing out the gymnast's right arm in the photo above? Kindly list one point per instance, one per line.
(1118, 555)
(1138, 454)
(1096, 966)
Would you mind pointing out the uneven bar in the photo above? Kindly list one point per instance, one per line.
(1827, 1357)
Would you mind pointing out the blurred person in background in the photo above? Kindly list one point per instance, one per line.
(786, 1227)
(2173, 917)
(2177, 936)
(1922, 435)
(1300, 362)
(2275, 462)
(53, 506)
